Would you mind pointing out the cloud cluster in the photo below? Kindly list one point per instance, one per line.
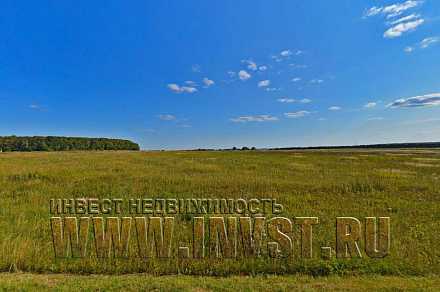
(376, 119)
(334, 108)
(401, 25)
(401, 28)
(291, 100)
(166, 117)
(258, 118)
(264, 83)
(190, 86)
(298, 66)
(285, 54)
(196, 68)
(423, 44)
(272, 89)
(404, 19)
(370, 105)
(270, 118)
(251, 65)
(296, 115)
(417, 101)
(208, 82)
(181, 89)
(178, 122)
(38, 107)
(316, 81)
(251, 68)
(393, 10)
(244, 75)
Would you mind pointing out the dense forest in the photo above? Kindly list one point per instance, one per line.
(52, 143)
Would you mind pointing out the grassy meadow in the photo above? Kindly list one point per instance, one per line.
(142, 282)
(401, 184)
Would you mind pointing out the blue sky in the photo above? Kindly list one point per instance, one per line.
(190, 74)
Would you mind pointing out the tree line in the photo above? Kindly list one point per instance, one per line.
(369, 146)
(54, 143)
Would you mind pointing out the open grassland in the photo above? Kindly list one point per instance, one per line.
(403, 185)
(60, 282)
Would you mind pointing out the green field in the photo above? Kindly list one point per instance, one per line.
(400, 184)
(60, 282)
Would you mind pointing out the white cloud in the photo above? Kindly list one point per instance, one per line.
(188, 89)
(296, 79)
(427, 42)
(296, 115)
(286, 100)
(393, 10)
(286, 53)
(243, 75)
(264, 83)
(399, 8)
(190, 83)
(409, 49)
(277, 58)
(417, 101)
(196, 68)
(404, 19)
(184, 126)
(298, 66)
(399, 29)
(271, 89)
(258, 118)
(401, 25)
(208, 82)
(291, 100)
(424, 44)
(174, 87)
(375, 119)
(38, 107)
(305, 100)
(370, 105)
(373, 11)
(251, 65)
(316, 81)
(179, 89)
(334, 108)
(166, 117)
(262, 68)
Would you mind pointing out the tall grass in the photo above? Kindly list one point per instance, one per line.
(403, 185)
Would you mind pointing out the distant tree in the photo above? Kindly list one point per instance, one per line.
(253, 148)
(244, 148)
(234, 148)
